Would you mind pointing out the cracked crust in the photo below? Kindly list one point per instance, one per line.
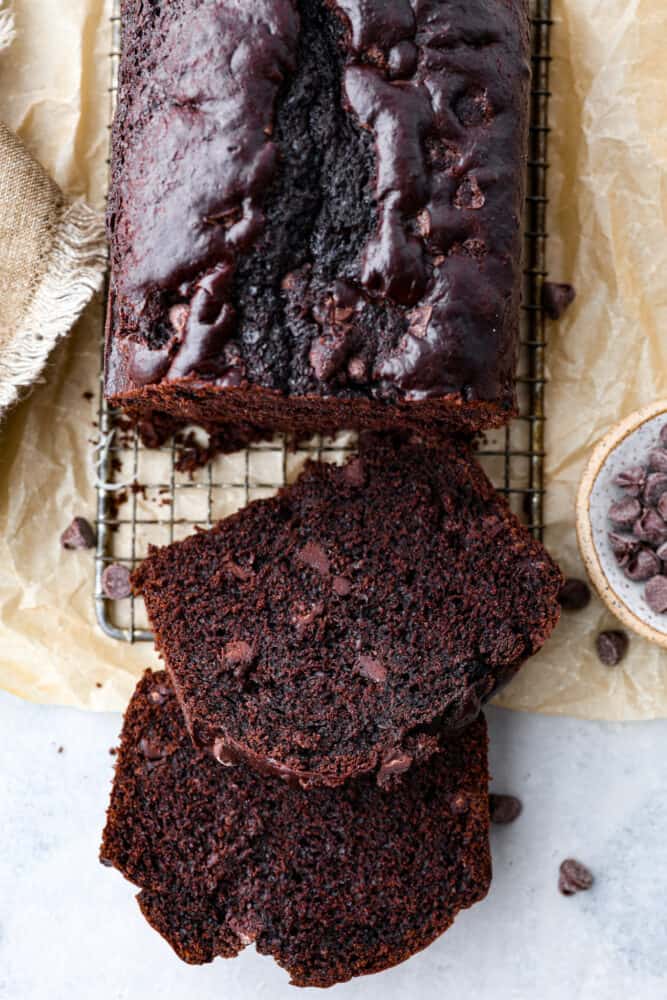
(315, 212)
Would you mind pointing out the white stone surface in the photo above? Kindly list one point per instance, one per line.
(70, 929)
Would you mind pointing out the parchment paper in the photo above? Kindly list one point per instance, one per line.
(608, 186)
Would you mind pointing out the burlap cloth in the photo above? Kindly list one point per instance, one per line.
(607, 217)
(52, 258)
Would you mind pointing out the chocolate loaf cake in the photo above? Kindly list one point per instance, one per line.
(340, 626)
(331, 883)
(315, 212)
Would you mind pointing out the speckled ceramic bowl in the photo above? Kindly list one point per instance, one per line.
(626, 444)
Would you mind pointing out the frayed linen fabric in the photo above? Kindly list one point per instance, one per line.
(52, 260)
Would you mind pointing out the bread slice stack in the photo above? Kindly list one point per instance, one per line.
(310, 774)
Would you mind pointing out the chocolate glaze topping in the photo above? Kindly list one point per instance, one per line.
(377, 23)
(319, 196)
(214, 88)
(431, 245)
(400, 115)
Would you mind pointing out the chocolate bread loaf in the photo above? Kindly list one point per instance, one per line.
(315, 212)
(341, 626)
(332, 883)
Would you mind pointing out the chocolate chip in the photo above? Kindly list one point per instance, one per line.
(624, 513)
(151, 749)
(464, 710)
(79, 535)
(657, 459)
(662, 507)
(656, 485)
(663, 435)
(574, 595)
(642, 565)
(373, 669)
(353, 472)
(342, 586)
(394, 763)
(661, 552)
(573, 877)
(402, 60)
(224, 753)
(655, 593)
(237, 653)
(504, 808)
(623, 546)
(313, 555)
(557, 298)
(611, 647)
(327, 356)
(242, 573)
(116, 582)
(632, 480)
(650, 528)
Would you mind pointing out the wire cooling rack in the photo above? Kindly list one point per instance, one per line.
(144, 499)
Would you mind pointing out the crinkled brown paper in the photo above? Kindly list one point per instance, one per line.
(608, 185)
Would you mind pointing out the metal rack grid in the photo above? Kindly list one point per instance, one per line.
(170, 505)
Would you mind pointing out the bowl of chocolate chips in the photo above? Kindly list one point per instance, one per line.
(622, 521)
